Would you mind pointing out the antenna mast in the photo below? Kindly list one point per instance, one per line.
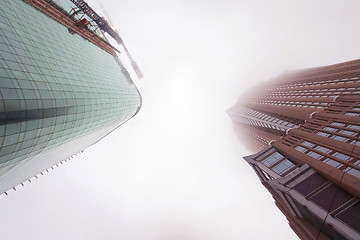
(104, 25)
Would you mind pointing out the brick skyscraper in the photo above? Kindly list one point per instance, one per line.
(306, 125)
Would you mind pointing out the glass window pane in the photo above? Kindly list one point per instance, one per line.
(341, 156)
(272, 159)
(283, 166)
(323, 149)
(314, 155)
(333, 163)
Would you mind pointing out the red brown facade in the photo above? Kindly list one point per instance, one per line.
(306, 125)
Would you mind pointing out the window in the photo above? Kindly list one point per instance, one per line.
(283, 166)
(341, 156)
(314, 155)
(339, 138)
(323, 134)
(330, 129)
(323, 149)
(356, 143)
(349, 133)
(355, 127)
(272, 159)
(352, 171)
(309, 144)
(300, 149)
(352, 114)
(333, 163)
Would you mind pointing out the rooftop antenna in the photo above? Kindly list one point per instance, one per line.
(104, 25)
(121, 42)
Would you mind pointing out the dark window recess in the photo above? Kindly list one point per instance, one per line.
(331, 198)
(33, 114)
(300, 208)
(351, 216)
(310, 184)
(318, 222)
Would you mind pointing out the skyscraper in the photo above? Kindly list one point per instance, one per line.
(306, 125)
(62, 87)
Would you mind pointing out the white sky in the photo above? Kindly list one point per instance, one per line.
(175, 171)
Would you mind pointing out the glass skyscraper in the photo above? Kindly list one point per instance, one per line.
(59, 92)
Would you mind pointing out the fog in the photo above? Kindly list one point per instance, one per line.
(175, 171)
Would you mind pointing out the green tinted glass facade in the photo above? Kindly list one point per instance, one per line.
(55, 89)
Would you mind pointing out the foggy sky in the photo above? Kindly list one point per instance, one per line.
(175, 170)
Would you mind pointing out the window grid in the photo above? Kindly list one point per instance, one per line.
(328, 156)
(350, 79)
(272, 123)
(341, 132)
(279, 164)
(304, 104)
(43, 66)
